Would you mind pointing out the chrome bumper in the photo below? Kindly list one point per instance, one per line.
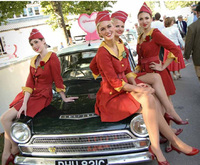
(116, 159)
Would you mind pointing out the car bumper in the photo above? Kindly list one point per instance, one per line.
(112, 160)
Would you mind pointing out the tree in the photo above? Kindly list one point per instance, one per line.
(174, 4)
(9, 8)
(59, 10)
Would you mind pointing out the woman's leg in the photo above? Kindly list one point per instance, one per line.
(150, 117)
(155, 81)
(10, 147)
(166, 130)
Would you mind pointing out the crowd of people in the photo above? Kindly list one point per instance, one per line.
(122, 92)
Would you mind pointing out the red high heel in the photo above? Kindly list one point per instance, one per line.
(169, 117)
(154, 156)
(10, 159)
(193, 152)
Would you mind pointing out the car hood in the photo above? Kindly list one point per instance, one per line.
(74, 117)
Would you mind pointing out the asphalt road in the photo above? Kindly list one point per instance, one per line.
(187, 104)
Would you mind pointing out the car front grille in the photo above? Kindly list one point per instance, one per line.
(84, 144)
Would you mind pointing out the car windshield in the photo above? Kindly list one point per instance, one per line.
(76, 66)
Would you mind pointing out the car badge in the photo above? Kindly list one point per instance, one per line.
(78, 116)
(52, 150)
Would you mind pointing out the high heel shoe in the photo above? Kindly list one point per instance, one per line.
(193, 152)
(10, 159)
(154, 156)
(169, 117)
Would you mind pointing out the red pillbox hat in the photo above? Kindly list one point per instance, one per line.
(35, 34)
(121, 15)
(102, 16)
(145, 8)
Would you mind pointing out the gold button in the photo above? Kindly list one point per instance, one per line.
(122, 65)
(34, 88)
(127, 92)
(110, 93)
(35, 70)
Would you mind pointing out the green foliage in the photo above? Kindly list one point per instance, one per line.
(9, 8)
(72, 7)
(174, 4)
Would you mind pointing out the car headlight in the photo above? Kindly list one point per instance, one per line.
(138, 126)
(20, 132)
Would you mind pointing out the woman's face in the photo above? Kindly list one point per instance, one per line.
(38, 45)
(106, 30)
(119, 27)
(144, 20)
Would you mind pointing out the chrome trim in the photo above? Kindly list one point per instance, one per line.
(78, 116)
(112, 160)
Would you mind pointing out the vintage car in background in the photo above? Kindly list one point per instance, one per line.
(71, 133)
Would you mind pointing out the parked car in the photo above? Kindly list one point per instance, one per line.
(71, 133)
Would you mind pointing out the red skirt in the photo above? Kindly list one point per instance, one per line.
(175, 66)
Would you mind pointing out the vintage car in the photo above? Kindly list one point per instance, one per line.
(71, 133)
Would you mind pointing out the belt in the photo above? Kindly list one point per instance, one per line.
(149, 59)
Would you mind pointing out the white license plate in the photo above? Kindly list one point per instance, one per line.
(82, 162)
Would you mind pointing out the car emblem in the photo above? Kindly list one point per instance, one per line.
(78, 116)
(52, 150)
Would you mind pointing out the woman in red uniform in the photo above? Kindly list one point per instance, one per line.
(148, 48)
(118, 19)
(119, 96)
(37, 94)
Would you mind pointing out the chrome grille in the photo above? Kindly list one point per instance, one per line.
(84, 144)
(81, 139)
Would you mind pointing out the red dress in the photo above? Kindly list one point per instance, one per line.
(175, 66)
(39, 84)
(148, 51)
(112, 103)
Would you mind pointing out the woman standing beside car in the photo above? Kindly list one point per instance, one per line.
(37, 94)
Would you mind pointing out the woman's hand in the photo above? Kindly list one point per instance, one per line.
(155, 66)
(22, 109)
(69, 99)
(143, 88)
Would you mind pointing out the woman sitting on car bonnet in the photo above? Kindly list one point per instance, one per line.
(37, 94)
(119, 96)
(153, 79)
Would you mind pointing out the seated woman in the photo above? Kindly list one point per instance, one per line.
(153, 79)
(119, 96)
(37, 94)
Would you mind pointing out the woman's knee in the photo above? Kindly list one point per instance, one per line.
(8, 116)
(147, 98)
(156, 77)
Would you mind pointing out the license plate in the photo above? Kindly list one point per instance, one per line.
(82, 162)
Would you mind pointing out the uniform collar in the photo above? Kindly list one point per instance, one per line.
(120, 47)
(45, 59)
(148, 34)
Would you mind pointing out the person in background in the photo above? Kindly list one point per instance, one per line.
(182, 26)
(119, 96)
(37, 94)
(159, 25)
(139, 29)
(193, 16)
(192, 42)
(173, 34)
